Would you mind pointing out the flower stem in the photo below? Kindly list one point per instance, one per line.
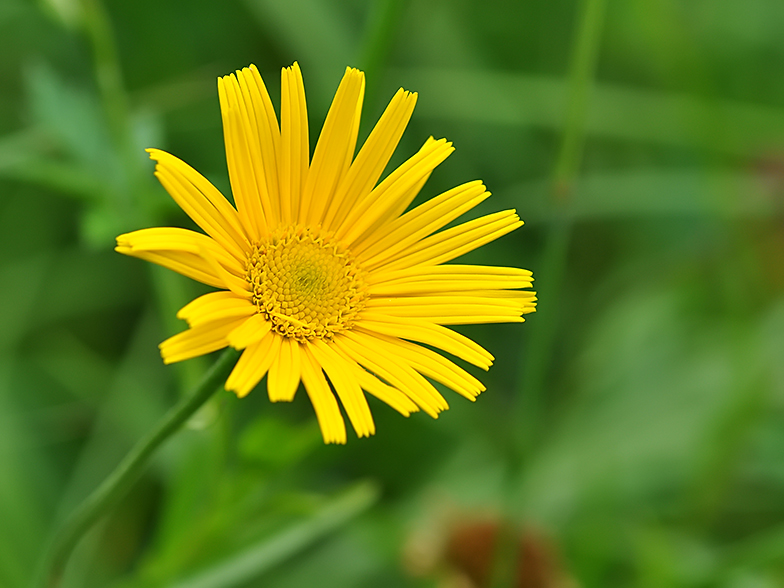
(530, 413)
(380, 35)
(114, 487)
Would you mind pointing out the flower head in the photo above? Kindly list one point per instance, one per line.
(323, 276)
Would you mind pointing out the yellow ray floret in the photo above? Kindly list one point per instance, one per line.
(323, 278)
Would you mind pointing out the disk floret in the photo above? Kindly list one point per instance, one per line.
(305, 284)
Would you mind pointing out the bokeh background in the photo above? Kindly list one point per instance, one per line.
(632, 433)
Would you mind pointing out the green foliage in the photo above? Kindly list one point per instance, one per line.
(632, 430)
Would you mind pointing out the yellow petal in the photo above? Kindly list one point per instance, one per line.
(453, 309)
(454, 242)
(424, 331)
(347, 387)
(197, 341)
(264, 122)
(397, 207)
(372, 159)
(285, 372)
(189, 265)
(433, 365)
(166, 239)
(253, 364)
(384, 392)
(201, 201)
(251, 331)
(294, 145)
(446, 278)
(333, 428)
(360, 348)
(335, 148)
(389, 193)
(216, 306)
(417, 224)
(243, 158)
(237, 285)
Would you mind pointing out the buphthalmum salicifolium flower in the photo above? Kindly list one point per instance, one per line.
(323, 275)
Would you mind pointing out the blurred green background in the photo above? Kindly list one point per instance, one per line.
(632, 433)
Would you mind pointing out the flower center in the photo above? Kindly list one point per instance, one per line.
(305, 285)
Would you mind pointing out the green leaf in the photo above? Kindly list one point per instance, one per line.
(616, 112)
(267, 553)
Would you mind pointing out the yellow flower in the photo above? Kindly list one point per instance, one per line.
(323, 276)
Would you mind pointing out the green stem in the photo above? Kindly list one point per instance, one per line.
(108, 77)
(249, 563)
(552, 270)
(583, 68)
(380, 36)
(127, 471)
(529, 415)
(137, 201)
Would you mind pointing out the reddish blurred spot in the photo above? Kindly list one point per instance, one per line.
(471, 549)
(769, 170)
